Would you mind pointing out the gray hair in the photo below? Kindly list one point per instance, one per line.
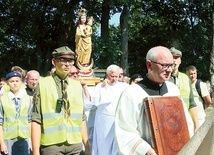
(151, 54)
(112, 68)
(29, 73)
(155, 52)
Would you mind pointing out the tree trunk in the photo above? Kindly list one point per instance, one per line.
(105, 20)
(124, 38)
(212, 53)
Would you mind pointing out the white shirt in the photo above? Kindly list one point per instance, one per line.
(131, 130)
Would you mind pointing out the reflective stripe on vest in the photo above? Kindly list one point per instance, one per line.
(14, 126)
(184, 88)
(56, 127)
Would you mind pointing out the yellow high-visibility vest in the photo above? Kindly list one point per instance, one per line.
(184, 88)
(15, 125)
(56, 128)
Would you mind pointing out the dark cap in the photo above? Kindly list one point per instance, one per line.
(135, 76)
(175, 52)
(12, 74)
(64, 52)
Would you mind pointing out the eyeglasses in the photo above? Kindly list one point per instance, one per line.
(66, 60)
(164, 65)
(73, 73)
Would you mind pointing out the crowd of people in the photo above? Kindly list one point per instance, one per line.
(59, 114)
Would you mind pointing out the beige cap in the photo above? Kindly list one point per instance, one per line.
(64, 52)
(175, 52)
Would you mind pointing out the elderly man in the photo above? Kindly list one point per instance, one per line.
(73, 72)
(74, 75)
(105, 96)
(58, 118)
(32, 79)
(131, 130)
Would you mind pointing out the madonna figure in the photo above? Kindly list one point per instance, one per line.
(83, 38)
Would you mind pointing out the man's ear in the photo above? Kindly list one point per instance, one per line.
(148, 65)
(53, 62)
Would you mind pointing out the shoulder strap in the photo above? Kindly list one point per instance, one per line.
(198, 88)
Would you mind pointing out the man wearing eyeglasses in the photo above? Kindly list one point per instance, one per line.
(73, 72)
(74, 75)
(131, 124)
(184, 84)
(89, 108)
(58, 118)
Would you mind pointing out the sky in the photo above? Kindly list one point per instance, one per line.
(115, 19)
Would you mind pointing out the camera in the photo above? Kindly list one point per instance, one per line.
(59, 105)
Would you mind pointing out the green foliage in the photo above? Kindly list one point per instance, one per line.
(106, 53)
(185, 25)
(30, 30)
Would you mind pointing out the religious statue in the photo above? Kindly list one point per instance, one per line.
(83, 40)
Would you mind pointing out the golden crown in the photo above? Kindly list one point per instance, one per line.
(82, 12)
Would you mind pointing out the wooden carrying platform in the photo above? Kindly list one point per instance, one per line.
(167, 123)
(90, 81)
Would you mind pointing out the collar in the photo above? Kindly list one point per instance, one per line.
(12, 96)
(58, 79)
(175, 75)
(28, 88)
(153, 88)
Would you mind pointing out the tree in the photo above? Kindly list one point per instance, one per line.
(105, 49)
(212, 52)
(32, 29)
(124, 38)
(187, 26)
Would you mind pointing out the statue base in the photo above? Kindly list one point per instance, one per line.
(85, 70)
(86, 73)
